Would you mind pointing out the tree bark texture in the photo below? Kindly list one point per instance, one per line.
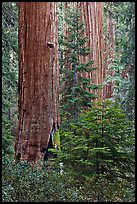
(38, 78)
(93, 18)
(109, 54)
(93, 15)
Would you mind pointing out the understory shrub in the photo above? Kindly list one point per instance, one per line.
(98, 163)
(33, 183)
(27, 183)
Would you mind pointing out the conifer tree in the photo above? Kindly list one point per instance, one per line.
(104, 143)
(77, 90)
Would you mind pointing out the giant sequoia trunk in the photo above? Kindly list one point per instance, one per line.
(38, 78)
(93, 18)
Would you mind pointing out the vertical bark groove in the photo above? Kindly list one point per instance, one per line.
(38, 81)
(93, 18)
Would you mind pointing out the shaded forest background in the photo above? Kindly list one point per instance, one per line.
(25, 182)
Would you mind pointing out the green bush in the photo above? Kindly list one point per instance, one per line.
(33, 183)
(101, 190)
(91, 173)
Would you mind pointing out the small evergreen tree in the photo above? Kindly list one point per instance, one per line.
(100, 142)
(76, 89)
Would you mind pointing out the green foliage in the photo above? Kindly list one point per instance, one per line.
(101, 190)
(120, 85)
(123, 15)
(7, 138)
(100, 142)
(76, 89)
(56, 140)
(9, 74)
(33, 183)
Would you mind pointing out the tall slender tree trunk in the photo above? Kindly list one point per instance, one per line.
(109, 54)
(38, 78)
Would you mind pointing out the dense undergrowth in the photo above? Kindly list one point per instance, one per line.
(27, 183)
(89, 173)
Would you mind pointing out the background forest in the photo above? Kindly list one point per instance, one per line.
(95, 141)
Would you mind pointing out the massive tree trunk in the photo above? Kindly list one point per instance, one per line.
(38, 78)
(93, 18)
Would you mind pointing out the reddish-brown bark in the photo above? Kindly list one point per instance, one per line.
(38, 78)
(93, 18)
